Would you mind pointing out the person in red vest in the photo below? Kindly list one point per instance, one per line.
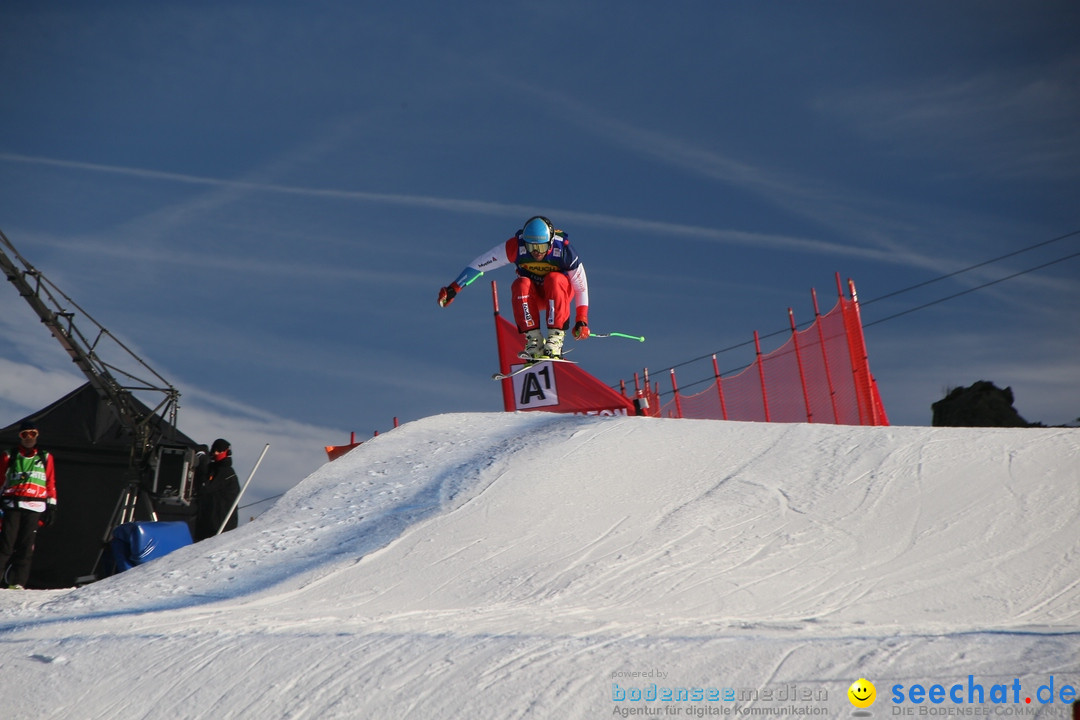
(28, 500)
(550, 276)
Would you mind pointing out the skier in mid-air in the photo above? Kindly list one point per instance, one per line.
(550, 275)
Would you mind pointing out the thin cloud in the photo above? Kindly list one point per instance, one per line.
(450, 204)
(236, 263)
(25, 388)
(1019, 123)
(676, 152)
(836, 209)
(479, 207)
(29, 387)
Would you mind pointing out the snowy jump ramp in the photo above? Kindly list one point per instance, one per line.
(538, 565)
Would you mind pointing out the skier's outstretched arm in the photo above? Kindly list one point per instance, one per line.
(498, 256)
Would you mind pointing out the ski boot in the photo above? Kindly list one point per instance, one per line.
(534, 345)
(553, 346)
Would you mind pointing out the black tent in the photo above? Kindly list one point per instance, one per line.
(92, 455)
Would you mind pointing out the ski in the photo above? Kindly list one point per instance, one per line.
(531, 359)
(528, 366)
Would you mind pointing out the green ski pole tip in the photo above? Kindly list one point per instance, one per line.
(639, 338)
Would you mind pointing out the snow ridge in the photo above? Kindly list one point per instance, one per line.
(513, 565)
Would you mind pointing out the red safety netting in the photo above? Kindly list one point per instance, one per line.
(820, 374)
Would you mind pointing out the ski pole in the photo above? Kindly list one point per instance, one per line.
(236, 502)
(639, 338)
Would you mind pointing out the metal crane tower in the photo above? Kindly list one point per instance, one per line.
(150, 428)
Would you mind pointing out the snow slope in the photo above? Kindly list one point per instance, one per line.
(538, 565)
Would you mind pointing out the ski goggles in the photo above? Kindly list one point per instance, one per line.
(28, 434)
(537, 247)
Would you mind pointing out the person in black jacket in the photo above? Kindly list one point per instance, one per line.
(218, 493)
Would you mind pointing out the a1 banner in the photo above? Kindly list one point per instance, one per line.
(552, 386)
(537, 387)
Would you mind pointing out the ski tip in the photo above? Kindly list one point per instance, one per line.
(525, 367)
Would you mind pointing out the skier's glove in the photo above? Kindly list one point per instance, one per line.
(447, 294)
(49, 516)
(581, 327)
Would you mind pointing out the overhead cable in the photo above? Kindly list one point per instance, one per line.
(914, 287)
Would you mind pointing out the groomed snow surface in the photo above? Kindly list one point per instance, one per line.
(538, 565)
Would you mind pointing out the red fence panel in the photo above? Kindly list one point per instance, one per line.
(820, 374)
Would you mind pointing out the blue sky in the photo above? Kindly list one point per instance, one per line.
(263, 198)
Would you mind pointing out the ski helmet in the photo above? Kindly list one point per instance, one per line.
(537, 233)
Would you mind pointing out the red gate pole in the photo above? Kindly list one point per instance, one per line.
(675, 388)
(719, 387)
(798, 361)
(761, 374)
(504, 367)
(825, 358)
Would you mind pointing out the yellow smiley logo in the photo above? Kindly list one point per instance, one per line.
(862, 693)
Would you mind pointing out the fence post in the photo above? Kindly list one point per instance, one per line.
(675, 388)
(641, 401)
(719, 387)
(864, 384)
(761, 374)
(798, 361)
(825, 358)
(853, 362)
